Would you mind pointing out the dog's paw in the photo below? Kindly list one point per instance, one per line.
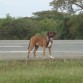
(44, 57)
(51, 57)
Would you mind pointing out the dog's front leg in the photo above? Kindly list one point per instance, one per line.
(44, 48)
(50, 52)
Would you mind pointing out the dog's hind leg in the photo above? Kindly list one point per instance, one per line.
(35, 49)
(29, 49)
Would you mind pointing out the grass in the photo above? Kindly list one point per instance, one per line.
(41, 71)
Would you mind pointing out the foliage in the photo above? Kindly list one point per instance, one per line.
(48, 14)
(66, 26)
(76, 26)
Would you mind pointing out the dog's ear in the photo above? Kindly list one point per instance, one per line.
(54, 33)
(48, 33)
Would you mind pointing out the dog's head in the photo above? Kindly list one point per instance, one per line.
(51, 34)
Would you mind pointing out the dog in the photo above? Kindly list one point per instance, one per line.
(45, 42)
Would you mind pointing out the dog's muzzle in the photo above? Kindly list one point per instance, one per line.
(51, 39)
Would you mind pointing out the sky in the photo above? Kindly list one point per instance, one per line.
(22, 8)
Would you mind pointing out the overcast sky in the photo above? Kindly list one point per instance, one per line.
(22, 8)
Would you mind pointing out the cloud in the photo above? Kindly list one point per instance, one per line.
(9, 2)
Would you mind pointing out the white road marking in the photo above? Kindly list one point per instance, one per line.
(40, 51)
(14, 43)
(11, 46)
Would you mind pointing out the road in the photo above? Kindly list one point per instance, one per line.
(61, 49)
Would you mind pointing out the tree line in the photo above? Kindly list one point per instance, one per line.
(66, 25)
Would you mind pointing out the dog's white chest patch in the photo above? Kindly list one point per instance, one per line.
(50, 44)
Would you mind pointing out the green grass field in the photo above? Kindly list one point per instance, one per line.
(41, 71)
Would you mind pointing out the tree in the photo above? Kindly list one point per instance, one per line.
(71, 6)
(48, 14)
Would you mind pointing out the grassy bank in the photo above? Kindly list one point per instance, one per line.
(41, 71)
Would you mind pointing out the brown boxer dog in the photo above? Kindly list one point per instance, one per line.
(45, 42)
